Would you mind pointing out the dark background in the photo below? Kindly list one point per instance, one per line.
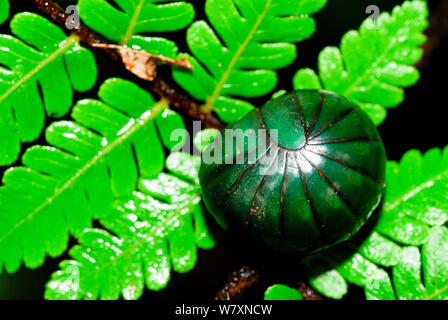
(417, 123)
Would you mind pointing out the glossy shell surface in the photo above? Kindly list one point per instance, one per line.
(311, 179)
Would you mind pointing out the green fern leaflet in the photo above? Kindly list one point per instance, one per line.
(410, 236)
(42, 58)
(236, 54)
(375, 63)
(91, 161)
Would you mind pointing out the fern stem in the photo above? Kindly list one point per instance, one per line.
(436, 293)
(88, 36)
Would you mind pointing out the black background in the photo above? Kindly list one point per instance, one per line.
(417, 123)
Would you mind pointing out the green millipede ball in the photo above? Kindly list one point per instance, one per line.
(302, 173)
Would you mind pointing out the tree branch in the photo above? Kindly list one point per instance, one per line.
(308, 292)
(90, 37)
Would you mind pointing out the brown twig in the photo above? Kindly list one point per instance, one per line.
(237, 284)
(90, 37)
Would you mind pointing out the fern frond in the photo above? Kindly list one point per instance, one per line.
(41, 58)
(4, 10)
(203, 138)
(135, 17)
(374, 63)
(410, 236)
(91, 160)
(151, 232)
(237, 53)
